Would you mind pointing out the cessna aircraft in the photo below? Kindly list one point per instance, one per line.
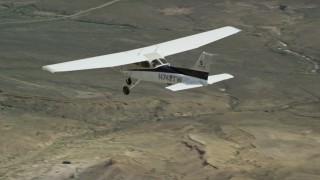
(149, 64)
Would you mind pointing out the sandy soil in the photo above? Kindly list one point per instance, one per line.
(263, 124)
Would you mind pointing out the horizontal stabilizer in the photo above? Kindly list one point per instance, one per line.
(194, 84)
(219, 77)
(184, 85)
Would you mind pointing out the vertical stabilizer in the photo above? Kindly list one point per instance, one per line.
(204, 62)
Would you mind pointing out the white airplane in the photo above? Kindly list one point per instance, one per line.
(149, 64)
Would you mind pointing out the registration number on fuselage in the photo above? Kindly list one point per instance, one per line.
(170, 78)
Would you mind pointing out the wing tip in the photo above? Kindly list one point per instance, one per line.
(47, 68)
(229, 75)
(171, 89)
(234, 29)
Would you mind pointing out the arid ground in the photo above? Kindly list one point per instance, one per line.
(262, 124)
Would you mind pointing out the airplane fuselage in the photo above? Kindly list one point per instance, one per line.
(156, 76)
(163, 74)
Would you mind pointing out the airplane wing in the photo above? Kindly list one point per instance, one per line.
(195, 41)
(110, 60)
(194, 84)
(138, 55)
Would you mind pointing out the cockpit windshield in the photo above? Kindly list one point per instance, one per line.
(158, 62)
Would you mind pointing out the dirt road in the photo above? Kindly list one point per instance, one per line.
(63, 16)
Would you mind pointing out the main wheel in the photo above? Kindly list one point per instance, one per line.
(126, 90)
(128, 81)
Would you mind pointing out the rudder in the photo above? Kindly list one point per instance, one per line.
(203, 63)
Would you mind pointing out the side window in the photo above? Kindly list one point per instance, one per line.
(155, 63)
(163, 61)
(145, 64)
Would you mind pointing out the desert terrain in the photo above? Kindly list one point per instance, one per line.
(262, 124)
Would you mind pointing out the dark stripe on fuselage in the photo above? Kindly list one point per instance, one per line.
(177, 70)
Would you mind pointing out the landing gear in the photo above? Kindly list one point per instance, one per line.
(128, 81)
(126, 90)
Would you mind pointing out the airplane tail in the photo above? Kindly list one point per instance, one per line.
(204, 62)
